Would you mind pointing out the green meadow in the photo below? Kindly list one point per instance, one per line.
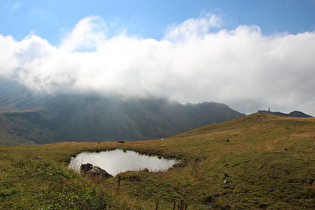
(257, 161)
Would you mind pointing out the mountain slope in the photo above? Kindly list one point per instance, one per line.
(92, 117)
(255, 161)
(26, 127)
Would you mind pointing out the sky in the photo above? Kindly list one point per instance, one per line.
(248, 54)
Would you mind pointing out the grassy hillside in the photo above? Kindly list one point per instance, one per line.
(268, 162)
(25, 127)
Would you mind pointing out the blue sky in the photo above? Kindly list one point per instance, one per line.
(50, 19)
(248, 54)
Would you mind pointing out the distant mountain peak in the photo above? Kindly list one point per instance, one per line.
(291, 114)
(299, 114)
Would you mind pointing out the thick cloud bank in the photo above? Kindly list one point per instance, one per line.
(195, 61)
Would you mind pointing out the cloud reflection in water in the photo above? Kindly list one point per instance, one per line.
(117, 161)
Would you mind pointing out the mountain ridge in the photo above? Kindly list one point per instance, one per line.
(291, 114)
(81, 117)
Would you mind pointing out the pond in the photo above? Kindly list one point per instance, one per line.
(117, 161)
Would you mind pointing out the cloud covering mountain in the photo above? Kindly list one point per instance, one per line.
(197, 60)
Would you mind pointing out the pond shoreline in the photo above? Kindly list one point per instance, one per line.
(118, 161)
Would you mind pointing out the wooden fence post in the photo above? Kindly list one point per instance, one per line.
(118, 184)
(186, 206)
(181, 204)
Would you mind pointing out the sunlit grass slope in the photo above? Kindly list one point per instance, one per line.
(267, 162)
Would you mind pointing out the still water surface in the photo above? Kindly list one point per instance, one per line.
(117, 161)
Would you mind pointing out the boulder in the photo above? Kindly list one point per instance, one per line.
(94, 171)
(85, 168)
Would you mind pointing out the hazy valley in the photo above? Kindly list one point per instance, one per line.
(27, 117)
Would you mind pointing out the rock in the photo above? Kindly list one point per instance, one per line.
(85, 168)
(227, 140)
(94, 171)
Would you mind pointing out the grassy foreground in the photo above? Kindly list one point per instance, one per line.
(268, 162)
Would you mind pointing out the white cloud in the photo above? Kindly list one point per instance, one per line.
(193, 27)
(242, 67)
(86, 35)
